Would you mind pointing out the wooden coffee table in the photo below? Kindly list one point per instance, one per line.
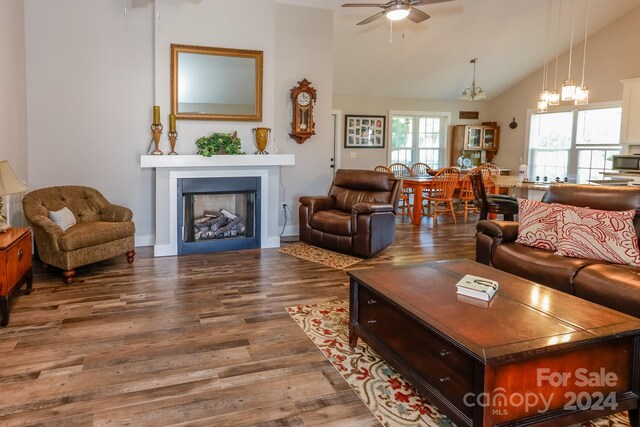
(532, 356)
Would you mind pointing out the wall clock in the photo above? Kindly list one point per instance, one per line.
(303, 98)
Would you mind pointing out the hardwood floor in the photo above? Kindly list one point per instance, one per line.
(197, 340)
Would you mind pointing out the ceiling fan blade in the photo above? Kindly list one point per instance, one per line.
(362, 5)
(417, 16)
(371, 18)
(423, 2)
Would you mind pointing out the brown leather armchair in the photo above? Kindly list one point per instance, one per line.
(102, 230)
(358, 215)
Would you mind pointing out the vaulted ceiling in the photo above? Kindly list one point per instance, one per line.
(430, 60)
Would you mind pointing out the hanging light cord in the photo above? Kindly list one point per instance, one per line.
(546, 45)
(586, 25)
(571, 45)
(555, 77)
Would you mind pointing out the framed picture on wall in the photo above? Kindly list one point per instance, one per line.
(364, 131)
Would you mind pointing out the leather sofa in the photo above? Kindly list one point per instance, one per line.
(102, 230)
(613, 285)
(356, 217)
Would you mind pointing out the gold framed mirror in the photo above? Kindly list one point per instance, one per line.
(212, 83)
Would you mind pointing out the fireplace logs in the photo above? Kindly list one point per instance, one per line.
(218, 225)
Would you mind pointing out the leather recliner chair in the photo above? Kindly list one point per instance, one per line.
(358, 215)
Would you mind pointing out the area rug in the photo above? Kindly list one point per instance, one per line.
(319, 255)
(392, 400)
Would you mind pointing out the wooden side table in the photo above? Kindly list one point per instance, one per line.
(15, 266)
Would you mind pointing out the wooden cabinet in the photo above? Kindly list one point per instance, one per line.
(482, 139)
(15, 265)
(630, 126)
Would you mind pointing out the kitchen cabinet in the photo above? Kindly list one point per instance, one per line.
(484, 140)
(630, 126)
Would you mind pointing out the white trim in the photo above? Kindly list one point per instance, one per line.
(180, 161)
(146, 240)
(338, 130)
(291, 230)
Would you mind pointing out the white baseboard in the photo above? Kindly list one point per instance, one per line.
(144, 240)
(291, 230)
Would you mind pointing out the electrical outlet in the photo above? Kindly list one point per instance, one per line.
(284, 206)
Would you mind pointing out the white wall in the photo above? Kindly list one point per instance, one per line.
(304, 50)
(13, 101)
(370, 157)
(89, 96)
(612, 54)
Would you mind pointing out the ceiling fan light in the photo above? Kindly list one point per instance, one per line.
(397, 12)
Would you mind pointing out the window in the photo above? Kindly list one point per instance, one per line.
(418, 137)
(576, 144)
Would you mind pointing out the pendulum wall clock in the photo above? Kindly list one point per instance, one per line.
(303, 98)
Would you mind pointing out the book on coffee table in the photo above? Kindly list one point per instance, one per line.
(477, 287)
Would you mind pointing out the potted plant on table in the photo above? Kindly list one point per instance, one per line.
(219, 143)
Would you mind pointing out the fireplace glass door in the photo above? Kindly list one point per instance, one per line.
(218, 214)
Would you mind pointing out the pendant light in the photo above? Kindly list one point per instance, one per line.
(582, 91)
(569, 86)
(474, 92)
(543, 101)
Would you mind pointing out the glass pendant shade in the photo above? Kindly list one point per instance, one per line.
(398, 12)
(542, 106)
(582, 95)
(554, 98)
(568, 90)
(544, 95)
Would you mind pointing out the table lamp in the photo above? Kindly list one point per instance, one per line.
(9, 184)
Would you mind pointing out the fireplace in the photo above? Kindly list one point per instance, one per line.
(218, 214)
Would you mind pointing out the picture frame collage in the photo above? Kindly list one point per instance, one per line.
(363, 131)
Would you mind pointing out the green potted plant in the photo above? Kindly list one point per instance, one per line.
(219, 143)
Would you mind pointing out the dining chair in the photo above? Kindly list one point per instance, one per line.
(501, 205)
(465, 194)
(494, 170)
(422, 169)
(381, 168)
(402, 171)
(441, 193)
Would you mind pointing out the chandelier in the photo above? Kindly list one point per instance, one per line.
(474, 92)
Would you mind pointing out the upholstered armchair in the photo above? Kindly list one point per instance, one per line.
(356, 217)
(97, 229)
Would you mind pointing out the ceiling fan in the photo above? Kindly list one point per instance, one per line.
(397, 10)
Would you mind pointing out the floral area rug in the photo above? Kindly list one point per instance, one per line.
(319, 255)
(392, 400)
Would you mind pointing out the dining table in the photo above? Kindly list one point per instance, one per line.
(418, 184)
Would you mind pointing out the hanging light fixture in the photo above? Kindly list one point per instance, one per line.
(543, 101)
(569, 85)
(474, 92)
(397, 11)
(582, 91)
(554, 95)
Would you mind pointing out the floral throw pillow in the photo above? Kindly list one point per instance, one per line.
(596, 234)
(538, 224)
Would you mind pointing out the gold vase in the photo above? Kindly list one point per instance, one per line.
(261, 136)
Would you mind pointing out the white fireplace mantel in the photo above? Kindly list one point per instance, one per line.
(168, 169)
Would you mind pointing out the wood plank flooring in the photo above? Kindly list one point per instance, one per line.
(197, 340)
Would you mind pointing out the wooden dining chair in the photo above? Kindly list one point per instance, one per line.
(381, 168)
(422, 169)
(501, 205)
(494, 170)
(441, 193)
(403, 171)
(465, 194)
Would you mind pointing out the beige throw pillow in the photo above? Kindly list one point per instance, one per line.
(63, 218)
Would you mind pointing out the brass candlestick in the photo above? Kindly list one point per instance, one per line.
(172, 141)
(156, 129)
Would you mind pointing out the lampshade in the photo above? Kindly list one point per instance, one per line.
(554, 98)
(398, 11)
(582, 95)
(568, 90)
(9, 183)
